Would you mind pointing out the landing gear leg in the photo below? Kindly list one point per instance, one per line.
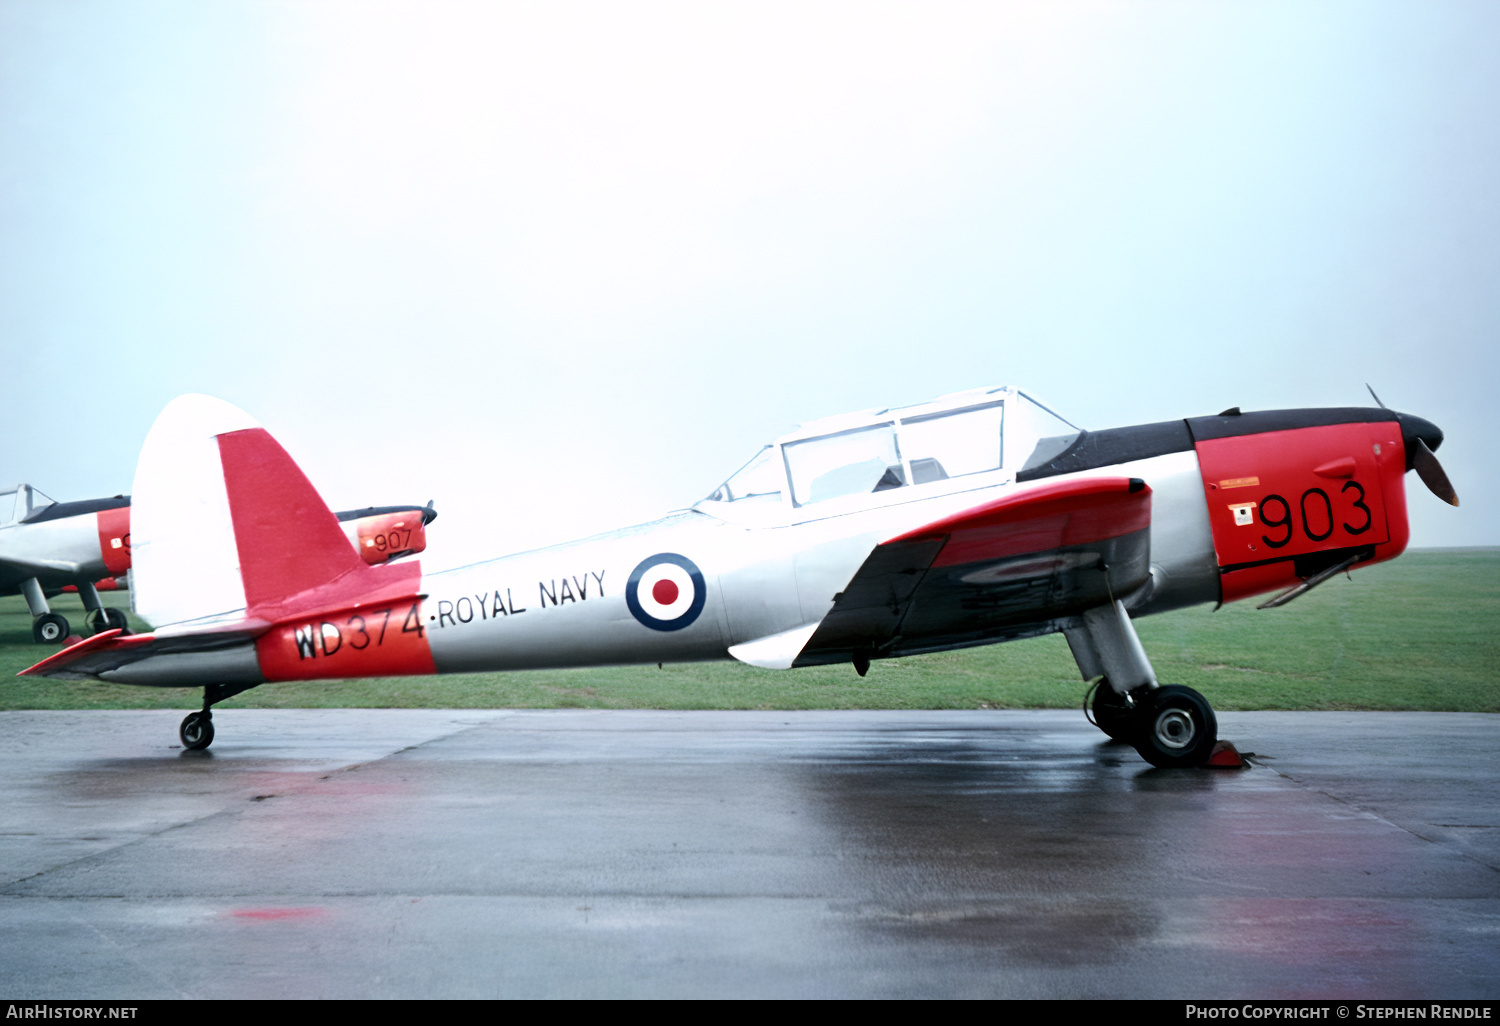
(99, 618)
(1105, 645)
(1110, 711)
(197, 730)
(47, 627)
(1169, 726)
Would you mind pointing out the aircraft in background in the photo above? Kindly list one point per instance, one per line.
(49, 547)
(976, 518)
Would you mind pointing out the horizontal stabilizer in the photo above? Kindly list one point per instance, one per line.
(83, 660)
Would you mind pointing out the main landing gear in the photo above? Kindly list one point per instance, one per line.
(49, 628)
(102, 620)
(1170, 726)
(197, 730)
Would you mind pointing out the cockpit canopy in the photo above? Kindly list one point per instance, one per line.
(981, 432)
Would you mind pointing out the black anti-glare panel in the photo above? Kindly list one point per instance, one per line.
(1261, 421)
(58, 510)
(1094, 449)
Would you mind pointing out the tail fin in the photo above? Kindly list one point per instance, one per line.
(289, 541)
(226, 527)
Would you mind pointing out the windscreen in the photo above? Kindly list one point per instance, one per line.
(38, 502)
(761, 478)
(1048, 434)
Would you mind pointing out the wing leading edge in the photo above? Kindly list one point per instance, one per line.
(1016, 567)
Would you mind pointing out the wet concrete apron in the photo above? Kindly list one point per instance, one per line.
(360, 853)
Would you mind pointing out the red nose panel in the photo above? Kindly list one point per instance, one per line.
(1280, 495)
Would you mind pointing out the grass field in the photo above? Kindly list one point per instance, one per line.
(1422, 633)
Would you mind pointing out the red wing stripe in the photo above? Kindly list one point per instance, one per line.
(1040, 519)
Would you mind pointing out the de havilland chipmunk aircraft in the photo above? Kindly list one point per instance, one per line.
(976, 518)
(47, 547)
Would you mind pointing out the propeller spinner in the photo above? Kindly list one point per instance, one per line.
(1416, 432)
(1421, 438)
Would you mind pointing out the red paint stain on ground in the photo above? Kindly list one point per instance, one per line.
(276, 913)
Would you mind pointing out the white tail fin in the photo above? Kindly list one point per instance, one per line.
(184, 563)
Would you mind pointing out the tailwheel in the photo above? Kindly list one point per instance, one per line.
(49, 629)
(1109, 712)
(197, 730)
(1176, 727)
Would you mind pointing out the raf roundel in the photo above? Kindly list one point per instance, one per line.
(666, 592)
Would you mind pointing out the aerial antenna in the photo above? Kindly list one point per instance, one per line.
(1054, 413)
(1382, 405)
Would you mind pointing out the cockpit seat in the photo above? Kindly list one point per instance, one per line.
(925, 470)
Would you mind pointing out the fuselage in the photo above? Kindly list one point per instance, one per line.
(976, 518)
(1240, 505)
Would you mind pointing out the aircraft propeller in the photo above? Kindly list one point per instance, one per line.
(1419, 454)
(1431, 472)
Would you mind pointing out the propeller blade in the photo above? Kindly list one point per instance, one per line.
(1431, 472)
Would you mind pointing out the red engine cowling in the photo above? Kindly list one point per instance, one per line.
(114, 538)
(1284, 505)
(385, 536)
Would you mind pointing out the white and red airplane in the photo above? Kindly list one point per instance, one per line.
(48, 547)
(976, 518)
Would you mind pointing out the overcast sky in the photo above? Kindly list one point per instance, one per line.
(563, 267)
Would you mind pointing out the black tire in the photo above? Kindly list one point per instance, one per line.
(115, 618)
(1112, 715)
(49, 629)
(197, 731)
(1177, 727)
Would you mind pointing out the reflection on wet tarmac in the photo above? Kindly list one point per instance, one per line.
(667, 854)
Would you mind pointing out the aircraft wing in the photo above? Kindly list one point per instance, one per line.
(14, 571)
(1014, 567)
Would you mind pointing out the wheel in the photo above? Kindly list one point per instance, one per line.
(1110, 713)
(1177, 727)
(49, 629)
(197, 731)
(115, 618)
